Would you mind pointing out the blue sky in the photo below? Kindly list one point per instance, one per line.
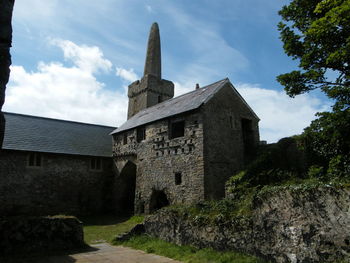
(74, 59)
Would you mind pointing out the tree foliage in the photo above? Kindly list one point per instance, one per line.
(317, 34)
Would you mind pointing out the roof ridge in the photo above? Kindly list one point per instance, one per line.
(193, 91)
(58, 120)
(180, 104)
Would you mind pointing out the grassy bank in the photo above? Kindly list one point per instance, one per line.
(104, 228)
(186, 253)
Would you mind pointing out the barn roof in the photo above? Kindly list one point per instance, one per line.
(38, 134)
(184, 103)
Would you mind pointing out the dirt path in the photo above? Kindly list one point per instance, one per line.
(102, 253)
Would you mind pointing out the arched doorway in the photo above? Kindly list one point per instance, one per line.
(158, 200)
(126, 188)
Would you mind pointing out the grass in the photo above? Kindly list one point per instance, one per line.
(105, 228)
(186, 253)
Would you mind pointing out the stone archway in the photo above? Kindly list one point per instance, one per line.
(126, 188)
(158, 200)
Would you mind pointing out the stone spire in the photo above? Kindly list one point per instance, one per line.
(153, 64)
(151, 89)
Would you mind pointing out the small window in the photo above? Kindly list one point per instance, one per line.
(177, 129)
(178, 178)
(159, 99)
(141, 134)
(125, 138)
(231, 122)
(34, 160)
(95, 164)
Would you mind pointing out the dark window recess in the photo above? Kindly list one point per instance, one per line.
(248, 139)
(178, 178)
(35, 160)
(231, 122)
(95, 164)
(177, 129)
(125, 138)
(159, 99)
(141, 134)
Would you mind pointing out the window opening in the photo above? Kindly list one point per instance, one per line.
(159, 99)
(95, 164)
(177, 129)
(141, 134)
(35, 160)
(178, 178)
(125, 138)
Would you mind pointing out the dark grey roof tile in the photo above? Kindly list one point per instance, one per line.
(38, 134)
(186, 102)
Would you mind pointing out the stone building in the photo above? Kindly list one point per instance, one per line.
(51, 166)
(183, 149)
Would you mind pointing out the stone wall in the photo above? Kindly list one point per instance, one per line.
(64, 184)
(22, 235)
(5, 57)
(224, 149)
(148, 91)
(160, 158)
(297, 225)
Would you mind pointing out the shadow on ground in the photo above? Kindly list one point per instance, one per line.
(44, 257)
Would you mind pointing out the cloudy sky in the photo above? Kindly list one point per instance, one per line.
(74, 59)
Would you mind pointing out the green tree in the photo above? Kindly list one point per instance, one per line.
(317, 34)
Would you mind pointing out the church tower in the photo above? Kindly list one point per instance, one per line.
(151, 89)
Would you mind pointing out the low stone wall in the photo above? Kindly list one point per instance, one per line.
(39, 234)
(287, 225)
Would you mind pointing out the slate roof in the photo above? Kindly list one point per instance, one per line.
(38, 134)
(184, 103)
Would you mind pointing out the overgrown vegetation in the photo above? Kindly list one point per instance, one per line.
(289, 164)
(186, 253)
(104, 228)
(317, 34)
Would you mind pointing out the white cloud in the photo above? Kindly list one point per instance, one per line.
(89, 59)
(149, 9)
(72, 93)
(127, 75)
(280, 115)
(182, 88)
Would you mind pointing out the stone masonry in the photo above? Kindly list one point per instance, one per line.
(152, 89)
(180, 150)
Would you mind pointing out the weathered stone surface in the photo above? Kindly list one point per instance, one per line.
(288, 225)
(151, 89)
(39, 234)
(64, 184)
(147, 92)
(5, 57)
(136, 230)
(153, 64)
(213, 139)
(159, 158)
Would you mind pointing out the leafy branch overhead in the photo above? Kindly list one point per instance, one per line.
(317, 33)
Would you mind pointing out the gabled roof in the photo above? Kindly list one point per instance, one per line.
(184, 103)
(38, 134)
